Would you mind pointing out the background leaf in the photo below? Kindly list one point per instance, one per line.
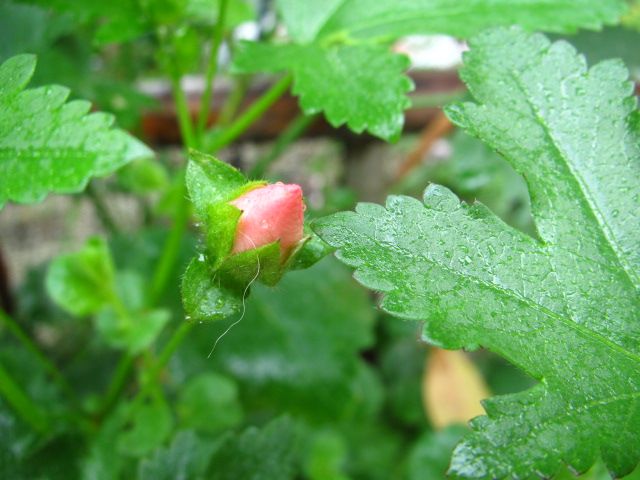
(83, 282)
(341, 63)
(268, 453)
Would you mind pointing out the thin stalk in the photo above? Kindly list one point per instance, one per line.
(29, 411)
(293, 131)
(429, 100)
(169, 349)
(184, 118)
(212, 68)
(255, 111)
(118, 382)
(233, 101)
(171, 249)
(44, 361)
(101, 210)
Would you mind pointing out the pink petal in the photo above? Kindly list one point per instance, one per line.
(270, 213)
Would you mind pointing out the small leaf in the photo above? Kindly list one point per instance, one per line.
(83, 282)
(132, 333)
(209, 403)
(50, 145)
(152, 424)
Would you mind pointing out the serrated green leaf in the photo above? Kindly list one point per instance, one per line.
(388, 18)
(339, 66)
(362, 86)
(50, 145)
(268, 453)
(185, 459)
(304, 19)
(563, 308)
(209, 403)
(83, 282)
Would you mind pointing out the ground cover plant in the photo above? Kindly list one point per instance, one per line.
(245, 328)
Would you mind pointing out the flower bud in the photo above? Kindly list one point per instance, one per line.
(270, 213)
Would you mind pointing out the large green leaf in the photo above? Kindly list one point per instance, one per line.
(50, 145)
(341, 63)
(564, 307)
(388, 18)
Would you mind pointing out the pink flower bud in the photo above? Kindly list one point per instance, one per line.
(270, 213)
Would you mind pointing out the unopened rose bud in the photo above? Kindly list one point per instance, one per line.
(270, 213)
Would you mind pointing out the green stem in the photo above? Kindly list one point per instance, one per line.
(29, 411)
(118, 382)
(47, 364)
(293, 131)
(212, 68)
(255, 111)
(429, 100)
(184, 118)
(101, 210)
(169, 349)
(171, 250)
(233, 101)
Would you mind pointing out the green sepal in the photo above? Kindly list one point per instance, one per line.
(205, 296)
(262, 263)
(210, 181)
(220, 232)
(309, 251)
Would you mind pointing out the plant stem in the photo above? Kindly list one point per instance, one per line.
(172, 345)
(48, 366)
(101, 210)
(290, 135)
(118, 381)
(255, 111)
(184, 118)
(212, 68)
(428, 100)
(29, 411)
(171, 249)
(232, 103)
